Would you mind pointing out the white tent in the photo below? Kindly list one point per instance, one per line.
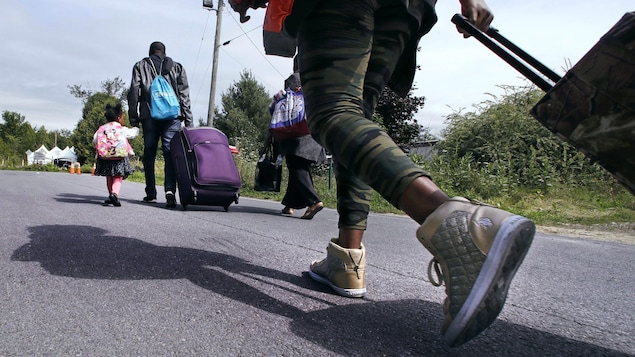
(53, 154)
(39, 156)
(68, 155)
(43, 156)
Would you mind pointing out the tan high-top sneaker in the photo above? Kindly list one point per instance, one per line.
(342, 269)
(477, 249)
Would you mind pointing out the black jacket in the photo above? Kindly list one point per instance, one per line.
(139, 94)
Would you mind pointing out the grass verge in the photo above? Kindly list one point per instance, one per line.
(594, 204)
(561, 205)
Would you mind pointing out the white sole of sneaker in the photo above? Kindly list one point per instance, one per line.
(490, 287)
(355, 293)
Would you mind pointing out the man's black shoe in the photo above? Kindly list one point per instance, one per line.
(171, 199)
(150, 199)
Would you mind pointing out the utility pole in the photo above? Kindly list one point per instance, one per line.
(212, 92)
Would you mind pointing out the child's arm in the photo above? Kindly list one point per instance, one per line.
(131, 132)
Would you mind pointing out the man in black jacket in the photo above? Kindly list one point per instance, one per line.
(143, 74)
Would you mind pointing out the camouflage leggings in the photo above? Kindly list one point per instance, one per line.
(347, 53)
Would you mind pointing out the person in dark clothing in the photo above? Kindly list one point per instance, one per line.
(143, 74)
(300, 153)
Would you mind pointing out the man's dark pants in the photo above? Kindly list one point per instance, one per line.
(153, 130)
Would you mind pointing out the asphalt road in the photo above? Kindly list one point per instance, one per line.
(82, 279)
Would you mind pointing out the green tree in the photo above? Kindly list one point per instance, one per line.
(41, 136)
(396, 115)
(245, 115)
(16, 137)
(61, 138)
(503, 139)
(114, 87)
(15, 125)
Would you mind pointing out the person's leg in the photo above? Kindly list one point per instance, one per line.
(109, 184)
(300, 191)
(170, 128)
(116, 184)
(347, 131)
(292, 197)
(151, 135)
(334, 99)
(353, 205)
(477, 248)
(301, 186)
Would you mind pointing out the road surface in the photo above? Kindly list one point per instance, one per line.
(82, 279)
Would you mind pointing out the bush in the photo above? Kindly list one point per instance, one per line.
(508, 146)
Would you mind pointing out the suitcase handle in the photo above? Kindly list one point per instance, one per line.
(499, 49)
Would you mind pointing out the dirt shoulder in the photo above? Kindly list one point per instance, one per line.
(614, 232)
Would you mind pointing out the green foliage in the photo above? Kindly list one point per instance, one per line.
(44, 168)
(15, 135)
(601, 201)
(396, 116)
(503, 143)
(245, 116)
(115, 87)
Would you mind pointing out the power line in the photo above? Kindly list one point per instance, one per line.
(198, 56)
(243, 34)
(257, 47)
(245, 67)
(202, 40)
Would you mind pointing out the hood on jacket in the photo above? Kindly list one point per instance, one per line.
(163, 63)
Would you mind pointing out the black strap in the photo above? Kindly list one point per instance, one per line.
(460, 21)
(154, 69)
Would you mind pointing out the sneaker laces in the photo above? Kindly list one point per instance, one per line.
(356, 268)
(438, 281)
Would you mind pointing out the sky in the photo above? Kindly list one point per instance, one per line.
(48, 45)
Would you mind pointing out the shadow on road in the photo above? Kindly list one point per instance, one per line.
(411, 327)
(401, 327)
(74, 198)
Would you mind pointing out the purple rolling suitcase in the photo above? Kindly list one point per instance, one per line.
(205, 169)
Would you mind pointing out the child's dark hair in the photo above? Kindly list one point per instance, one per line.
(113, 112)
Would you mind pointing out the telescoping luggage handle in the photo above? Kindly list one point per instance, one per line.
(460, 21)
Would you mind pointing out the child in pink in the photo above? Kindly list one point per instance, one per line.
(114, 162)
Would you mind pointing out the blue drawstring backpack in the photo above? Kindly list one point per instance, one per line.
(164, 104)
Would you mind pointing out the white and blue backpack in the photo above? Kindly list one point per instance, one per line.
(164, 104)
